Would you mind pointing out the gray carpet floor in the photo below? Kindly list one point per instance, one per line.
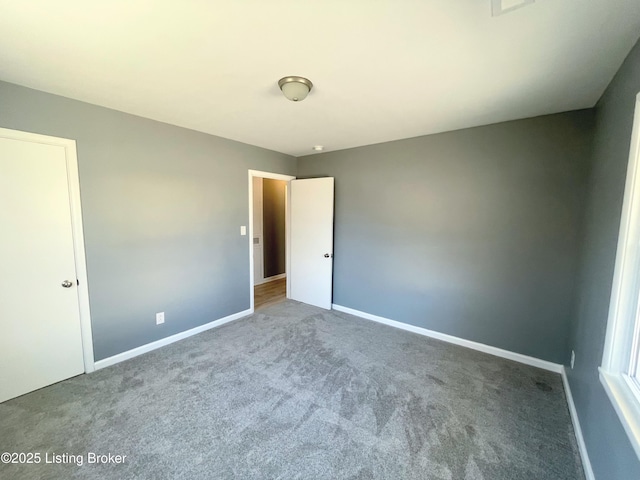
(297, 392)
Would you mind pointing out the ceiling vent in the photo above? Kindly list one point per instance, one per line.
(499, 7)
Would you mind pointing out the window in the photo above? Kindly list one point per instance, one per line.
(620, 371)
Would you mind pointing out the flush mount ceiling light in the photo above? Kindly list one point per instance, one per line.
(295, 88)
(318, 148)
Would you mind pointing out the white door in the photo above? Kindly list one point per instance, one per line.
(40, 339)
(311, 274)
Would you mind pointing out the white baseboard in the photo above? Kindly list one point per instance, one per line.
(498, 352)
(121, 357)
(586, 463)
(271, 279)
(518, 357)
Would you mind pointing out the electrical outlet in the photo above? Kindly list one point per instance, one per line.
(573, 358)
(159, 318)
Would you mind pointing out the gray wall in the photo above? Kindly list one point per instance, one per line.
(162, 210)
(273, 226)
(473, 233)
(611, 454)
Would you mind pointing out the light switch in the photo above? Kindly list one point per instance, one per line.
(243, 230)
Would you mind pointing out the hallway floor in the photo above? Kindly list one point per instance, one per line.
(270, 293)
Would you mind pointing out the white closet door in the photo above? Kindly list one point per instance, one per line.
(41, 341)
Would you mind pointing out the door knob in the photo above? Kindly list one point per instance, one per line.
(67, 284)
(327, 255)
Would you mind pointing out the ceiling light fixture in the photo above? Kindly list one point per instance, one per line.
(318, 148)
(295, 88)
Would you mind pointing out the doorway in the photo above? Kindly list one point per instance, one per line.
(269, 235)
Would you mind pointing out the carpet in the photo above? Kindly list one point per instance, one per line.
(297, 392)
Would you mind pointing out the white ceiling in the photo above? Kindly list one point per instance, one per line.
(382, 69)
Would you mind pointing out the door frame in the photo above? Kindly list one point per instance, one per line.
(73, 182)
(287, 226)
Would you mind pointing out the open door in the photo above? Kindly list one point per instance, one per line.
(311, 276)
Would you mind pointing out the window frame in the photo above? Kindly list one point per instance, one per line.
(620, 370)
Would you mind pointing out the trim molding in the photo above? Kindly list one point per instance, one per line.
(584, 455)
(273, 278)
(625, 403)
(498, 352)
(121, 357)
